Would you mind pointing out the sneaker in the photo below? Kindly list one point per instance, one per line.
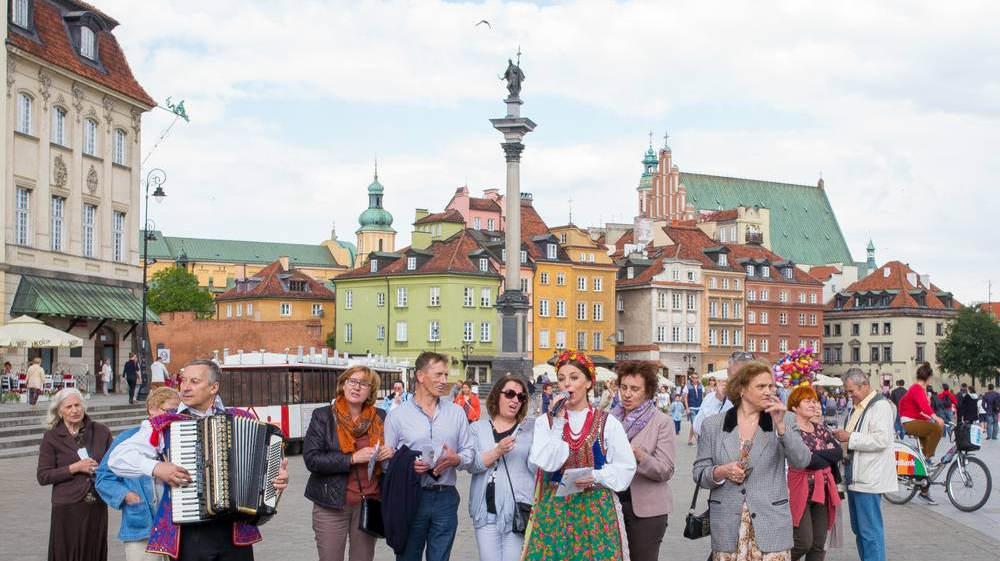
(926, 497)
(691, 444)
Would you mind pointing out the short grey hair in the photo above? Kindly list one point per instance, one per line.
(52, 417)
(214, 371)
(857, 376)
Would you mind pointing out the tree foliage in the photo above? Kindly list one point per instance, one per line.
(331, 339)
(175, 289)
(971, 345)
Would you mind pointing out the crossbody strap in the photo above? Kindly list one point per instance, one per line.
(509, 482)
(694, 499)
(360, 488)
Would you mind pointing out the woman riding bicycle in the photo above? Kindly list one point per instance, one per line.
(920, 420)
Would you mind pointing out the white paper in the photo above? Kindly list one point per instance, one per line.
(82, 452)
(371, 461)
(568, 484)
(431, 454)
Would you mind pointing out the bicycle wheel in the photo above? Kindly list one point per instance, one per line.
(969, 488)
(906, 491)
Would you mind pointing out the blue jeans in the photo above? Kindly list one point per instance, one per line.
(433, 526)
(899, 428)
(991, 426)
(946, 415)
(866, 523)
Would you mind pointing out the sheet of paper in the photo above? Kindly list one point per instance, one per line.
(431, 454)
(371, 461)
(568, 484)
(82, 452)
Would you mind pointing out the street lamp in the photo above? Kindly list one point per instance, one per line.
(467, 347)
(156, 177)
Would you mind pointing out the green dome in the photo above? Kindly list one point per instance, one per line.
(375, 187)
(650, 159)
(375, 217)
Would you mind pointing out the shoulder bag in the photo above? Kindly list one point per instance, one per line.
(370, 517)
(696, 525)
(522, 511)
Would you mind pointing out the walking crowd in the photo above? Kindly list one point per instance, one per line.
(579, 476)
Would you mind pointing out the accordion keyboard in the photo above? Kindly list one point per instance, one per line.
(186, 453)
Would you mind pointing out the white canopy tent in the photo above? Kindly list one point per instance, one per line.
(28, 332)
(544, 368)
(605, 375)
(824, 380)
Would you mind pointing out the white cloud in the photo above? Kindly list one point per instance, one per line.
(896, 104)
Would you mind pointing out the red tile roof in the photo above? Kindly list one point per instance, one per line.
(738, 252)
(824, 272)
(448, 256)
(992, 308)
(720, 216)
(450, 215)
(691, 242)
(897, 281)
(54, 46)
(476, 203)
(272, 282)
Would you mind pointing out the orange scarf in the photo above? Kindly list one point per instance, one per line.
(348, 430)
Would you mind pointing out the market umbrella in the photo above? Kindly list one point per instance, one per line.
(543, 368)
(719, 374)
(824, 380)
(26, 331)
(663, 381)
(605, 375)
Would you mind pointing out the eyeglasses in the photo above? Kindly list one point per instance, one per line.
(358, 384)
(511, 394)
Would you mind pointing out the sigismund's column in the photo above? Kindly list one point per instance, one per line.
(513, 306)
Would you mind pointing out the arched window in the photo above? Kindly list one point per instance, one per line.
(25, 105)
(59, 125)
(88, 43)
(90, 137)
(119, 153)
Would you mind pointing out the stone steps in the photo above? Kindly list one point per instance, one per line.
(21, 430)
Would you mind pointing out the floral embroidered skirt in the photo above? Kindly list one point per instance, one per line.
(746, 545)
(585, 526)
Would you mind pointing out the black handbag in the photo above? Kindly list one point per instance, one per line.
(696, 525)
(522, 511)
(370, 517)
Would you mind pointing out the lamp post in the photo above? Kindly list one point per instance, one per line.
(157, 177)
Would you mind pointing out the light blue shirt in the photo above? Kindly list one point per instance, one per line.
(409, 425)
(522, 475)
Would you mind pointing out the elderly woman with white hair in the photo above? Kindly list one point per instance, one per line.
(68, 457)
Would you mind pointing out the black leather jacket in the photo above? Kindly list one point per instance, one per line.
(328, 466)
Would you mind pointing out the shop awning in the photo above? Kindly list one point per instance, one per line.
(58, 297)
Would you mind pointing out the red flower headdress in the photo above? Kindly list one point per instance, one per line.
(580, 358)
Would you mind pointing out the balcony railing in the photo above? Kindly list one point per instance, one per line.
(755, 238)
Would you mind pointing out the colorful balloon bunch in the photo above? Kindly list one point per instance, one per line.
(797, 367)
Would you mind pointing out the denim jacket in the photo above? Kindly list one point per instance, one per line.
(137, 519)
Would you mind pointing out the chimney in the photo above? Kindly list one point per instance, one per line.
(421, 213)
(526, 199)
(492, 194)
(284, 262)
(926, 281)
(821, 184)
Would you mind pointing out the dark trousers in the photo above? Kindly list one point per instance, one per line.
(810, 534)
(433, 526)
(644, 534)
(212, 541)
(131, 380)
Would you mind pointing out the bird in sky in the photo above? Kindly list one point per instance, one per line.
(482, 22)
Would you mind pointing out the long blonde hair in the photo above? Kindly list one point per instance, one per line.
(52, 417)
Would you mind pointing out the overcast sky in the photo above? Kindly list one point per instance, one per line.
(896, 104)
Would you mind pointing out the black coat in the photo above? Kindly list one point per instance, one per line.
(328, 466)
(968, 409)
(400, 497)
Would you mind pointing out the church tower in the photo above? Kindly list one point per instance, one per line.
(375, 233)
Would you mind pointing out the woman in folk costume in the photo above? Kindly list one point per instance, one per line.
(586, 525)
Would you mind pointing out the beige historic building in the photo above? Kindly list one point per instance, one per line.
(887, 324)
(71, 196)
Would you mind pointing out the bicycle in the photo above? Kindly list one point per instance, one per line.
(968, 482)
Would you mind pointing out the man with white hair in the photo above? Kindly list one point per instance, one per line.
(871, 464)
(716, 402)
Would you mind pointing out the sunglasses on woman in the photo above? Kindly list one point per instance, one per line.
(511, 394)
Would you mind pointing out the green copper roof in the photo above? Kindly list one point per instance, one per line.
(646, 181)
(242, 251)
(375, 187)
(375, 219)
(650, 159)
(66, 298)
(804, 228)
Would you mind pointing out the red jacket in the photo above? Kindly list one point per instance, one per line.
(950, 397)
(915, 404)
(471, 405)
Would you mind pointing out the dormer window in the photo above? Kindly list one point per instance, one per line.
(750, 270)
(550, 251)
(765, 271)
(88, 43)
(524, 256)
(630, 273)
(787, 272)
(297, 286)
(723, 260)
(484, 264)
(374, 266)
(411, 263)
(21, 13)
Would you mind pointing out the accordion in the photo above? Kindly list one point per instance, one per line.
(232, 461)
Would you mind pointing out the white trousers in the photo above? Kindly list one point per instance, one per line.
(136, 551)
(494, 546)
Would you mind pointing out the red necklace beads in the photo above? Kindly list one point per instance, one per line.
(577, 439)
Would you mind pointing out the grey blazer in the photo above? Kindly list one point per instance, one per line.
(765, 490)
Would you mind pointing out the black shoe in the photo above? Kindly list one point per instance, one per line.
(926, 497)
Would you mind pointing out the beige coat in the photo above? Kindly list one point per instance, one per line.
(650, 488)
(36, 376)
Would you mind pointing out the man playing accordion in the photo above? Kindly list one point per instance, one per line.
(223, 538)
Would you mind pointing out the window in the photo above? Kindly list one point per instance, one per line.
(484, 264)
(373, 266)
(765, 271)
(286, 309)
(88, 43)
(812, 297)
(783, 345)
(939, 329)
(543, 277)
(485, 297)
(491, 224)
(434, 298)
(783, 296)
(725, 310)
(581, 283)
(401, 331)
(763, 318)
(58, 207)
(920, 353)
(675, 334)
(118, 156)
(581, 310)
(467, 296)
(524, 256)
(675, 300)
(765, 294)
(21, 13)
(724, 339)
(787, 272)
(723, 260)
(874, 354)
(581, 340)
(725, 283)
(713, 309)
(117, 236)
(543, 338)
(468, 333)
(621, 336)
(543, 307)
(560, 308)
(598, 284)
(550, 251)
(751, 295)
(738, 337)
(691, 276)
(887, 353)
(348, 299)
(750, 270)
(690, 335)
(751, 316)
(763, 345)
(630, 272)
(836, 329)
(887, 328)
(661, 334)
(803, 344)
(802, 319)
(692, 301)
(752, 345)
(560, 339)
(782, 318)
(812, 319)
(249, 309)
(560, 279)
(562, 238)
(802, 297)
(484, 332)
(598, 312)
(661, 300)
(380, 332)
(737, 310)
(24, 113)
(713, 336)
(90, 137)
(380, 299)
(58, 134)
(89, 221)
(477, 223)
(855, 329)
(855, 354)
(621, 304)
(875, 328)
(712, 282)
(401, 297)
(434, 330)
(524, 285)
(317, 310)
(229, 310)
(598, 341)
(411, 263)
(503, 255)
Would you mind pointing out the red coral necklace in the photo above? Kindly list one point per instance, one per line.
(576, 439)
